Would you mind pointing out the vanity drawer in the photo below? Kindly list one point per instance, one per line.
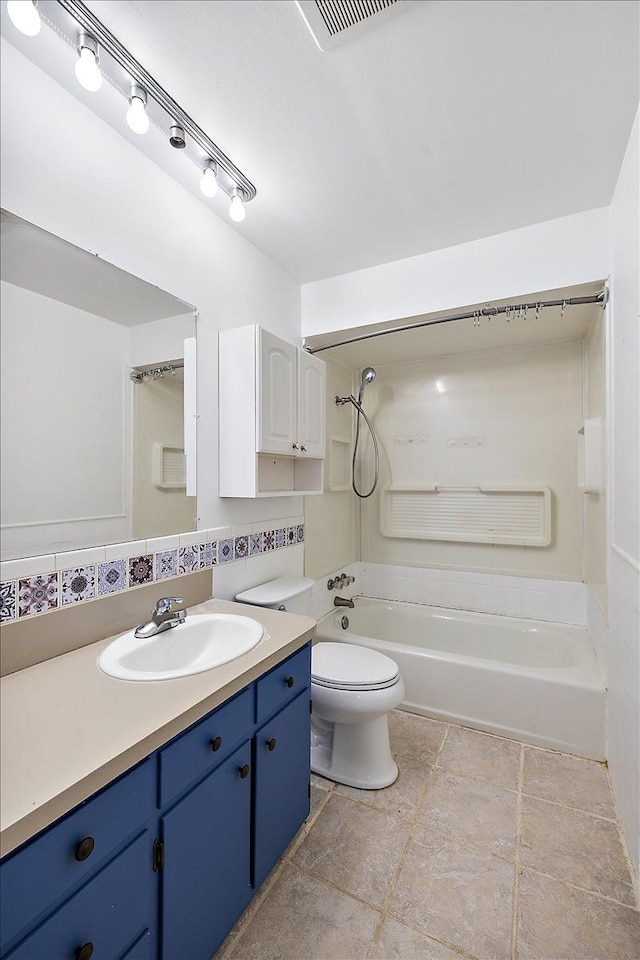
(104, 918)
(205, 745)
(283, 683)
(69, 851)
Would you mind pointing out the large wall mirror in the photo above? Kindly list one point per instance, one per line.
(92, 400)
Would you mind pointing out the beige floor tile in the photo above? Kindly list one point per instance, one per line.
(474, 754)
(319, 781)
(456, 894)
(317, 799)
(557, 922)
(582, 784)
(395, 941)
(355, 793)
(357, 848)
(470, 811)
(304, 918)
(413, 736)
(403, 797)
(575, 847)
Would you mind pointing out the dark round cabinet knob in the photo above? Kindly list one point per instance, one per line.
(85, 952)
(216, 743)
(271, 743)
(84, 849)
(289, 682)
(244, 771)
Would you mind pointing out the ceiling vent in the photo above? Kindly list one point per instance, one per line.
(334, 22)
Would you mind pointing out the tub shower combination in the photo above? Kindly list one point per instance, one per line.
(524, 679)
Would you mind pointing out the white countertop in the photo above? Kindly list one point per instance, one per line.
(67, 729)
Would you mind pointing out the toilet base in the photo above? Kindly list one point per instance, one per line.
(356, 754)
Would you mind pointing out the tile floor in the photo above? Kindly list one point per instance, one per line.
(483, 848)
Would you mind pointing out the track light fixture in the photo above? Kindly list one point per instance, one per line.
(237, 211)
(87, 71)
(137, 116)
(177, 138)
(24, 16)
(209, 181)
(75, 24)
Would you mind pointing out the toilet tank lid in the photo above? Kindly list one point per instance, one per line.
(275, 591)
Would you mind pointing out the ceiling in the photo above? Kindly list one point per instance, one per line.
(39, 261)
(457, 120)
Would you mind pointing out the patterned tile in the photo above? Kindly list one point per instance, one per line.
(112, 577)
(255, 544)
(140, 570)
(241, 547)
(166, 564)
(208, 555)
(188, 559)
(78, 584)
(292, 536)
(281, 538)
(37, 594)
(225, 550)
(300, 533)
(268, 540)
(8, 601)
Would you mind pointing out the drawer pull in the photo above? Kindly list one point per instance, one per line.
(85, 952)
(271, 744)
(244, 771)
(289, 682)
(84, 849)
(216, 743)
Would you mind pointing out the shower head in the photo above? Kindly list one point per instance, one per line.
(368, 376)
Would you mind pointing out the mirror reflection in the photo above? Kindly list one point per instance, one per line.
(92, 437)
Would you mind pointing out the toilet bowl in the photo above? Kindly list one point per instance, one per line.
(352, 690)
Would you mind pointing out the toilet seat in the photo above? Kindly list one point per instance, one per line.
(346, 666)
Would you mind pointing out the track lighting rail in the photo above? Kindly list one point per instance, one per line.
(107, 42)
(512, 312)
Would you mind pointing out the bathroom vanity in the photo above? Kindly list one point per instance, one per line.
(163, 857)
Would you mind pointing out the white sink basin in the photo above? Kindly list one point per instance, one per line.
(201, 642)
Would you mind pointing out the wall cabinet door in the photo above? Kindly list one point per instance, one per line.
(277, 410)
(282, 748)
(206, 874)
(311, 405)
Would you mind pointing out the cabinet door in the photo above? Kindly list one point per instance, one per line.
(206, 873)
(277, 391)
(282, 748)
(311, 404)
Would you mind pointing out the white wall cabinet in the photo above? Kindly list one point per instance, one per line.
(271, 405)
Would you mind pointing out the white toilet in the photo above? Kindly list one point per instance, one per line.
(352, 690)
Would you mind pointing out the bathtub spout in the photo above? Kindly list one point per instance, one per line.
(343, 602)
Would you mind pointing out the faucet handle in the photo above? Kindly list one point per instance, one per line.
(163, 605)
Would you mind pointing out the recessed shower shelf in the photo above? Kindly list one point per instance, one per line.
(518, 514)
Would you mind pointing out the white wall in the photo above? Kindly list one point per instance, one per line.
(622, 639)
(67, 171)
(546, 256)
(65, 426)
(596, 504)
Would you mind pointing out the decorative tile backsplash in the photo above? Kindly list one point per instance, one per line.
(25, 596)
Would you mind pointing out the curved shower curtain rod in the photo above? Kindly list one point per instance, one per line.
(513, 309)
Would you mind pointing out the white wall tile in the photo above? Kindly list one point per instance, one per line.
(119, 551)
(80, 558)
(27, 567)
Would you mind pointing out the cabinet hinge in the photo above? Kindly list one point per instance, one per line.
(310, 706)
(158, 855)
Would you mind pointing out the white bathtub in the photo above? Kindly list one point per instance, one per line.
(532, 681)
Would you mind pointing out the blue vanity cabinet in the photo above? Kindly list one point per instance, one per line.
(281, 783)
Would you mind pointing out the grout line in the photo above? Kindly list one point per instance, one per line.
(516, 875)
(565, 806)
(574, 886)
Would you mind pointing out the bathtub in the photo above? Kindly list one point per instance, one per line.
(525, 679)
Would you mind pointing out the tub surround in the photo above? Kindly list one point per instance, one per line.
(68, 730)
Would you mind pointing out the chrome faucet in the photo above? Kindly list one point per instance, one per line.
(343, 602)
(164, 618)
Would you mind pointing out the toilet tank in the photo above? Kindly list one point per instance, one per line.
(292, 594)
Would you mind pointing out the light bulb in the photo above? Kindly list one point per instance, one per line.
(237, 211)
(87, 71)
(24, 17)
(137, 114)
(209, 181)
